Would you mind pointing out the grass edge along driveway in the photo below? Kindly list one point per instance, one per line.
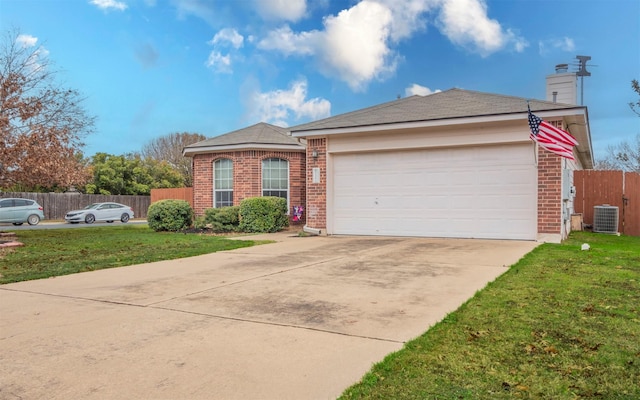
(562, 323)
(55, 252)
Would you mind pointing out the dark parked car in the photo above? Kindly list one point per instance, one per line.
(100, 212)
(19, 211)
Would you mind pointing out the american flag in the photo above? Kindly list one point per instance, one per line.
(551, 138)
(556, 148)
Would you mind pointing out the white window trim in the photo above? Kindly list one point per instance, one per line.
(214, 181)
(288, 178)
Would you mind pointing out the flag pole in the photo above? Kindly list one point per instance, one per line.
(535, 144)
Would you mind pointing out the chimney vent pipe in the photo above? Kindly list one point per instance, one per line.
(560, 68)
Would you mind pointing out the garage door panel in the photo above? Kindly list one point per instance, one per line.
(482, 192)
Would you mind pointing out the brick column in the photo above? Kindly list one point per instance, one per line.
(549, 192)
(317, 192)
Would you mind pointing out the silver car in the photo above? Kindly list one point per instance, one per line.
(19, 211)
(100, 212)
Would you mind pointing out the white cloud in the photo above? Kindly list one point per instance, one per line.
(563, 44)
(38, 55)
(219, 63)
(352, 46)
(419, 90)
(224, 38)
(466, 23)
(519, 43)
(228, 35)
(109, 4)
(287, 42)
(408, 16)
(279, 107)
(26, 40)
(203, 9)
(281, 10)
(357, 45)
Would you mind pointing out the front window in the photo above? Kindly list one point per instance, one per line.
(275, 178)
(223, 183)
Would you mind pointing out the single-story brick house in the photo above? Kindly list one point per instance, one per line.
(456, 163)
(260, 160)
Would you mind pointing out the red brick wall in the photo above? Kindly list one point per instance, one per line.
(317, 192)
(549, 191)
(247, 176)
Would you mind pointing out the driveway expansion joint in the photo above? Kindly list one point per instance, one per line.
(64, 296)
(253, 321)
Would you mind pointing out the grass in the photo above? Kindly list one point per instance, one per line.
(560, 324)
(55, 252)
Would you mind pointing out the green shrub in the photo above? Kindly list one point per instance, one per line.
(263, 214)
(198, 222)
(221, 220)
(170, 215)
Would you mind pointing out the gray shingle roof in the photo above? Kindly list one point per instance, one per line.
(254, 135)
(452, 103)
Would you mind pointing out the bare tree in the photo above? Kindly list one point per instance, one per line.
(635, 106)
(41, 123)
(169, 148)
(624, 156)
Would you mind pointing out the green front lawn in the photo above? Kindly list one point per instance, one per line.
(560, 324)
(54, 252)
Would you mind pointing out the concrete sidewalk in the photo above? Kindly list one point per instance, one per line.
(302, 318)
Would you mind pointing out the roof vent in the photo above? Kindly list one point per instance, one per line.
(561, 68)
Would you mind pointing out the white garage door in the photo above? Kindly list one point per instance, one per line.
(476, 192)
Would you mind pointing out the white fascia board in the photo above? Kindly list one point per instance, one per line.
(244, 146)
(565, 112)
(437, 122)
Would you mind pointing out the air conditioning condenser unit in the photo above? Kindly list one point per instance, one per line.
(605, 219)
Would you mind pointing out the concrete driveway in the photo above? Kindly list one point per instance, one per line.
(302, 318)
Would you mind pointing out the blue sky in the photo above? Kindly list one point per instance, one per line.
(151, 67)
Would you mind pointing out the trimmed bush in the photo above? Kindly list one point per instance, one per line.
(170, 215)
(221, 220)
(263, 214)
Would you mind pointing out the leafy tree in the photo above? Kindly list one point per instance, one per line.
(130, 175)
(41, 123)
(169, 148)
(624, 156)
(163, 174)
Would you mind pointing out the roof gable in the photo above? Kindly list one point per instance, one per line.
(258, 136)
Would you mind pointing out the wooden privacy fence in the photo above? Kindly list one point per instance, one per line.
(56, 205)
(615, 188)
(185, 193)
